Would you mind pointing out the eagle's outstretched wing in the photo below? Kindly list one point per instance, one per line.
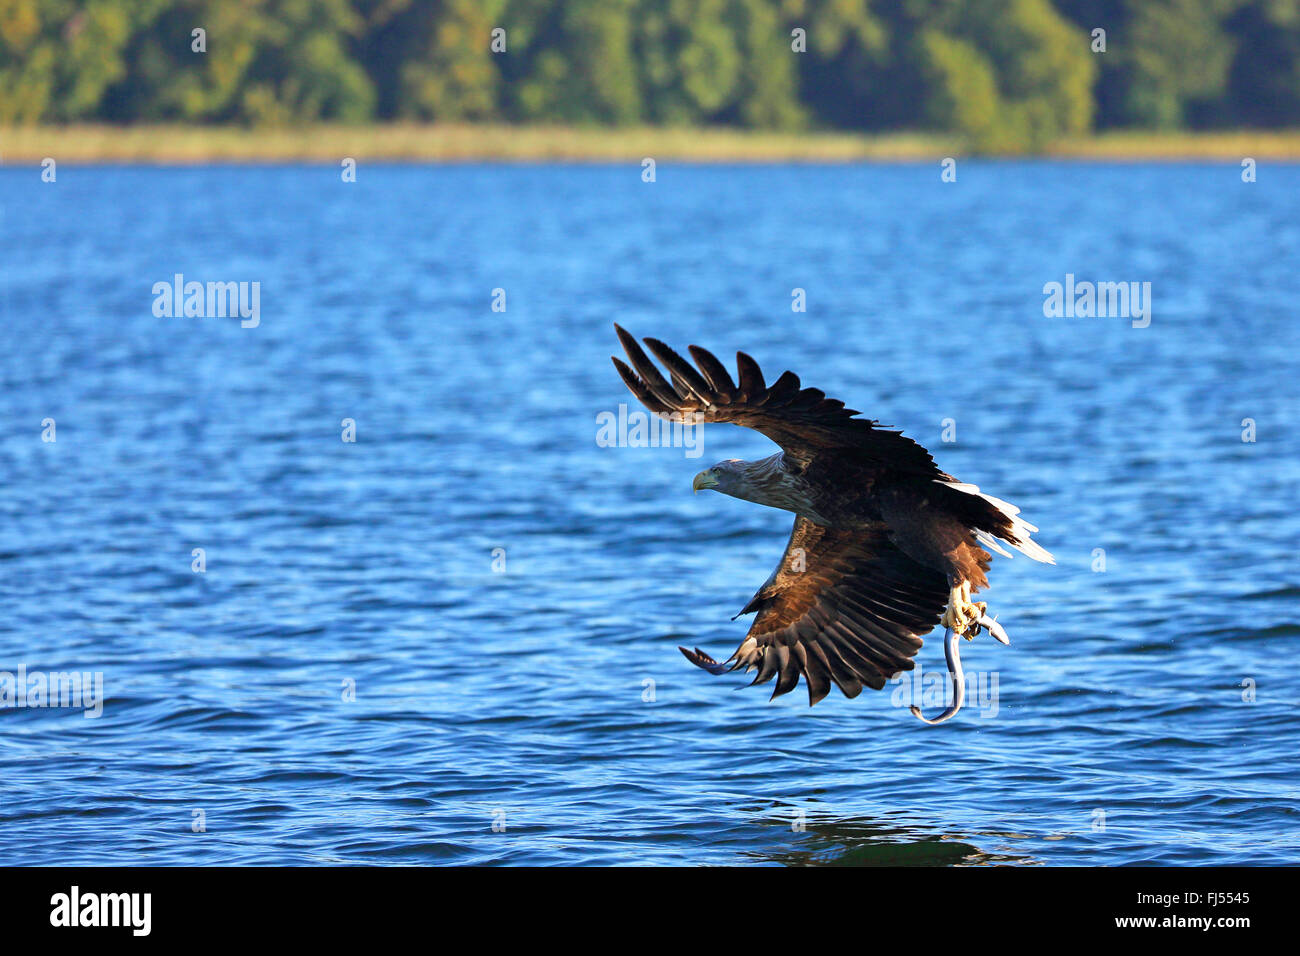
(843, 607)
(803, 421)
(848, 452)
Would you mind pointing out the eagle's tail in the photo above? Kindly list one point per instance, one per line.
(1006, 525)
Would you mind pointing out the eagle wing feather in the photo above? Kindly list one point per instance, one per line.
(844, 608)
(803, 421)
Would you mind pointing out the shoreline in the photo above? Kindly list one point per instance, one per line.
(194, 145)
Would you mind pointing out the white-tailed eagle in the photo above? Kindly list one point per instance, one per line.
(884, 546)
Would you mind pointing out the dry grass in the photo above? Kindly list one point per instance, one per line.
(444, 143)
(461, 143)
(1227, 146)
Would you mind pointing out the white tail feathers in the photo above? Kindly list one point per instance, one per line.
(1020, 528)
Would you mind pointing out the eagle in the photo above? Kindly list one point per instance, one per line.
(885, 545)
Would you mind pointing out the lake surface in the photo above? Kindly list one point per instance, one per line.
(454, 640)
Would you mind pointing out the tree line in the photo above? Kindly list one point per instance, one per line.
(1005, 73)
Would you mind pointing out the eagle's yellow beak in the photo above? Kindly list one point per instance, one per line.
(705, 479)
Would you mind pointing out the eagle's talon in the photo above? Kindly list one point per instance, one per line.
(964, 617)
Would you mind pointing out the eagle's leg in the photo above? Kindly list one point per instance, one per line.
(961, 615)
(967, 618)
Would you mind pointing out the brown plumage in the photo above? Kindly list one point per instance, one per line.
(883, 540)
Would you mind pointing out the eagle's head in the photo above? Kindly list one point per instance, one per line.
(727, 477)
(766, 482)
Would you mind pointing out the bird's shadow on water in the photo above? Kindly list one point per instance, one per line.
(826, 840)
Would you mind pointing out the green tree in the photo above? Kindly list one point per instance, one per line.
(767, 93)
(1009, 74)
(1176, 55)
(689, 61)
(963, 90)
(449, 73)
(1167, 62)
(1264, 79)
(266, 61)
(303, 70)
(579, 66)
(58, 57)
(850, 76)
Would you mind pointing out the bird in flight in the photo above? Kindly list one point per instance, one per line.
(884, 545)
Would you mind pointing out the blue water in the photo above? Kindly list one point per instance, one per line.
(529, 705)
